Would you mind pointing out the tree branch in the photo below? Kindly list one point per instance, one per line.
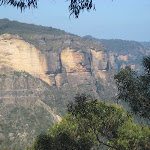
(105, 143)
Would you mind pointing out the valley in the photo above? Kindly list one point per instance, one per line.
(42, 68)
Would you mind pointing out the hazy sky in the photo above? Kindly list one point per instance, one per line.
(120, 19)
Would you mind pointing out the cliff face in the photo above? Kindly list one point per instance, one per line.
(123, 53)
(75, 62)
(68, 65)
(16, 54)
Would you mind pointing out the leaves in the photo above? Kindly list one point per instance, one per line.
(76, 6)
(132, 136)
(91, 124)
(135, 89)
(22, 4)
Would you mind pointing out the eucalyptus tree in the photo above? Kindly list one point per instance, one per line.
(92, 124)
(135, 89)
(75, 6)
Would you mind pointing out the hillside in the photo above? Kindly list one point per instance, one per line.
(22, 29)
(27, 108)
(122, 52)
(62, 61)
(41, 70)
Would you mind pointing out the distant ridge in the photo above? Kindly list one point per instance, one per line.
(123, 53)
(15, 27)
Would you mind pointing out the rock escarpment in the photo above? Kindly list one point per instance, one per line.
(123, 53)
(72, 61)
(66, 65)
(18, 55)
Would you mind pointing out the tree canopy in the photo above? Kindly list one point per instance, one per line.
(92, 124)
(135, 89)
(75, 6)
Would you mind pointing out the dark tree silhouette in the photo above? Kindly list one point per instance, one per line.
(22, 4)
(135, 89)
(75, 7)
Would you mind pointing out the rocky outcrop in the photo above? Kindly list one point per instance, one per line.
(18, 55)
(40, 71)
(66, 65)
(99, 64)
(123, 53)
(76, 62)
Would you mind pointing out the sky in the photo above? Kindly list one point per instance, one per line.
(117, 19)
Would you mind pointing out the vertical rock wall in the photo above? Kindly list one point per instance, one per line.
(75, 63)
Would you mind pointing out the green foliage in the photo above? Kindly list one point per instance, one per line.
(20, 4)
(134, 89)
(22, 115)
(121, 47)
(64, 135)
(101, 119)
(23, 29)
(146, 64)
(17, 73)
(91, 124)
(132, 136)
(43, 142)
(75, 6)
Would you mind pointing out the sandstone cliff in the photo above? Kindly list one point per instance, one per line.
(66, 65)
(42, 68)
(123, 53)
(61, 61)
(16, 54)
